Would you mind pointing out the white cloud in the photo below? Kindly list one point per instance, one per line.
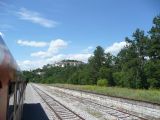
(115, 48)
(30, 65)
(88, 49)
(32, 43)
(52, 55)
(54, 47)
(55, 58)
(35, 17)
(57, 44)
(80, 57)
(33, 64)
(59, 57)
(38, 54)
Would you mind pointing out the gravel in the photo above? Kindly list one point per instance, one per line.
(31, 97)
(140, 110)
(71, 105)
(88, 111)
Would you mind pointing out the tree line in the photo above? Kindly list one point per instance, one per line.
(137, 65)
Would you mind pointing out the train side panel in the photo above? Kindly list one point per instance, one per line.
(10, 81)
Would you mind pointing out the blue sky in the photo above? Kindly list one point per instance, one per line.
(38, 32)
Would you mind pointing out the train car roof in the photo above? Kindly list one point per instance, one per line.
(6, 56)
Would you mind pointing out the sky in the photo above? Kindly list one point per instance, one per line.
(40, 32)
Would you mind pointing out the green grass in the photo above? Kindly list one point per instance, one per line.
(150, 95)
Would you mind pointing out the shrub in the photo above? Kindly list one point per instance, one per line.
(153, 82)
(102, 82)
(119, 78)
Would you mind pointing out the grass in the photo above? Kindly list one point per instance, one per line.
(94, 113)
(151, 95)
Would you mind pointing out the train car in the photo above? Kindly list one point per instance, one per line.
(12, 86)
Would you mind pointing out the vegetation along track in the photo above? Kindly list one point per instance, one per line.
(119, 114)
(61, 111)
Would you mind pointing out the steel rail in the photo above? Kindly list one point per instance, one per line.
(60, 117)
(90, 102)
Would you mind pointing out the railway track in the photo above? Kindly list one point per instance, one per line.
(119, 114)
(61, 111)
(127, 100)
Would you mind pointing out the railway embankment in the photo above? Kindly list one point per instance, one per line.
(151, 96)
(52, 102)
(146, 110)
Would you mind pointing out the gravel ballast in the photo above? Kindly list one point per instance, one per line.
(32, 98)
(75, 100)
(134, 108)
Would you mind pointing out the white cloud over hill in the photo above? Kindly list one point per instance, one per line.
(115, 47)
(52, 53)
(54, 47)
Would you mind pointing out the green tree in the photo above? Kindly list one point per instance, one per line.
(137, 65)
(132, 61)
(153, 64)
(140, 42)
(95, 63)
(154, 49)
(99, 57)
(106, 70)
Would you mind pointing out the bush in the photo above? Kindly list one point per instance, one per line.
(102, 82)
(119, 78)
(153, 82)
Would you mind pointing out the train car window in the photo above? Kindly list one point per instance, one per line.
(11, 87)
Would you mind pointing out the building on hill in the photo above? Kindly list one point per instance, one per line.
(64, 63)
